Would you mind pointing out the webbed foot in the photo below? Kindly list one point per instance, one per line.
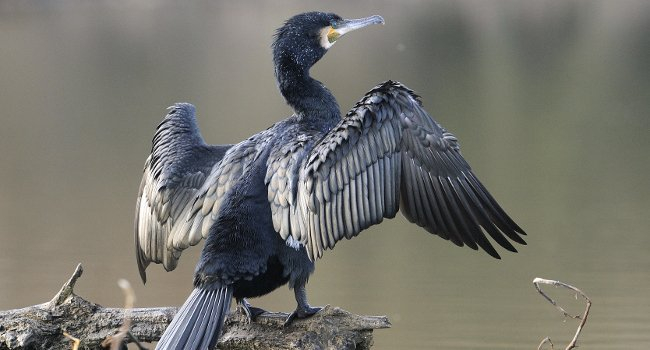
(300, 313)
(250, 311)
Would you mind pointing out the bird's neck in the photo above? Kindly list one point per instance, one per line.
(310, 99)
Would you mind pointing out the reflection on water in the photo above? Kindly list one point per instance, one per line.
(549, 100)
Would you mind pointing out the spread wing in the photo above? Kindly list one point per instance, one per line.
(202, 211)
(175, 171)
(387, 153)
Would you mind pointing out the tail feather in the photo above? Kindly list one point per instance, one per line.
(198, 322)
(179, 330)
(200, 325)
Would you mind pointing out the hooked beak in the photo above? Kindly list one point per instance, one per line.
(340, 28)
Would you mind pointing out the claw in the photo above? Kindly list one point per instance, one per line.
(250, 311)
(300, 313)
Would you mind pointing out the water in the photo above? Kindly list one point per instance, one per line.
(549, 100)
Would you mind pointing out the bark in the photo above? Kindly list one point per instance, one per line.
(42, 326)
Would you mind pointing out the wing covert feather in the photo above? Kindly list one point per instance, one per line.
(177, 167)
(387, 153)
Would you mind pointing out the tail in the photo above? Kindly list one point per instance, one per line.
(198, 322)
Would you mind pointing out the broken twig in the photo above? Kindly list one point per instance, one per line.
(583, 319)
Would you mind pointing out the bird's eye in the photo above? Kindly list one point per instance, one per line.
(334, 23)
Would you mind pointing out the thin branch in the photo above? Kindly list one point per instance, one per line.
(583, 319)
(75, 341)
(544, 341)
(116, 341)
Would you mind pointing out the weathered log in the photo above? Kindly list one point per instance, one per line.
(42, 326)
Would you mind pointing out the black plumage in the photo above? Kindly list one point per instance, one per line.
(270, 205)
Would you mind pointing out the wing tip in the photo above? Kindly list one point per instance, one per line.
(142, 267)
(143, 276)
(515, 238)
(184, 106)
(491, 251)
(515, 235)
(140, 258)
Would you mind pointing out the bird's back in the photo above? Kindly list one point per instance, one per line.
(242, 244)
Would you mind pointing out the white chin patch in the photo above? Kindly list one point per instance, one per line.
(293, 243)
(324, 40)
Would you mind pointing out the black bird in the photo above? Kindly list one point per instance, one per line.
(270, 205)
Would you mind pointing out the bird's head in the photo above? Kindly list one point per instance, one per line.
(306, 37)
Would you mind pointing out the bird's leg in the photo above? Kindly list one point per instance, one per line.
(303, 310)
(250, 311)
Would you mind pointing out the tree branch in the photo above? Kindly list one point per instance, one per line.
(583, 318)
(43, 326)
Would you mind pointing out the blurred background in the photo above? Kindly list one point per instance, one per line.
(550, 101)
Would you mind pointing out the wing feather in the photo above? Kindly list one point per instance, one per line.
(387, 153)
(179, 164)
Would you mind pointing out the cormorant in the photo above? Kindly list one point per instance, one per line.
(270, 205)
